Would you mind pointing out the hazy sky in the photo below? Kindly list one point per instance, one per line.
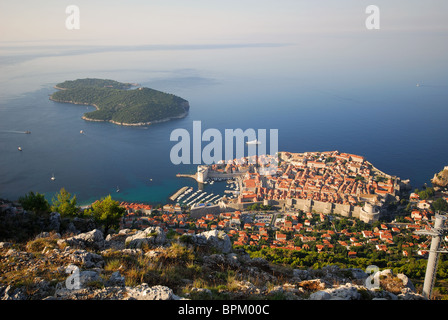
(146, 22)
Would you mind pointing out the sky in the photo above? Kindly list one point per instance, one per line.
(149, 22)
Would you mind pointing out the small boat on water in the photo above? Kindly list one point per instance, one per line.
(52, 177)
(81, 132)
(253, 142)
(19, 148)
(118, 189)
(27, 132)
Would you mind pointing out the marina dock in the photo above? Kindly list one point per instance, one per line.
(178, 193)
(192, 176)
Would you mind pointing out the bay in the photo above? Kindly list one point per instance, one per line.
(317, 102)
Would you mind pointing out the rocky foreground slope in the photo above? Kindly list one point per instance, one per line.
(146, 265)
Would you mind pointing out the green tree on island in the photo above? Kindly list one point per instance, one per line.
(107, 212)
(440, 205)
(65, 204)
(35, 202)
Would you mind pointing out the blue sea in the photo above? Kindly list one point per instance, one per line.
(354, 98)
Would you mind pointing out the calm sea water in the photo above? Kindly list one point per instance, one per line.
(371, 107)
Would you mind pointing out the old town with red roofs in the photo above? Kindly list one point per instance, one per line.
(331, 178)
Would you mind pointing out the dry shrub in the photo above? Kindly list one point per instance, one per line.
(391, 284)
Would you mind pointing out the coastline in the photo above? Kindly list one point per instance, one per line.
(74, 102)
(137, 124)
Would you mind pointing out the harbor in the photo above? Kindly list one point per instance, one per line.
(210, 192)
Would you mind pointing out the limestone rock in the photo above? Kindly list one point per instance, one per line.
(151, 235)
(144, 292)
(87, 259)
(88, 276)
(358, 274)
(93, 239)
(247, 287)
(344, 292)
(406, 282)
(217, 239)
(441, 179)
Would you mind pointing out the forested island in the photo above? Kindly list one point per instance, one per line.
(116, 102)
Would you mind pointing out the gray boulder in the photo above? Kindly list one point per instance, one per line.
(93, 239)
(358, 274)
(77, 280)
(343, 292)
(88, 276)
(406, 282)
(151, 235)
(217, 239)
(87, 259)
(144, 292)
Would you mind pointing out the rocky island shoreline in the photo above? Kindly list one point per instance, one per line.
(112, 101)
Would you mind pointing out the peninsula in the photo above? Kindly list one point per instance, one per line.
(326, 182)
(115, 102)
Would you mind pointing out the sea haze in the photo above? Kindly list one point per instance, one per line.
(356, 99)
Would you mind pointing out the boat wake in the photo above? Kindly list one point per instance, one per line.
(10, 131)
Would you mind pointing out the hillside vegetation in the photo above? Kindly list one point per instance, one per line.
(40, 253)
(116, 103)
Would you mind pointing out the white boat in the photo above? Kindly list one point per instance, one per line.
(253, 142)
(81, 132)
(118, 189)
(418, 85)
(19, 148)
(52, 177)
